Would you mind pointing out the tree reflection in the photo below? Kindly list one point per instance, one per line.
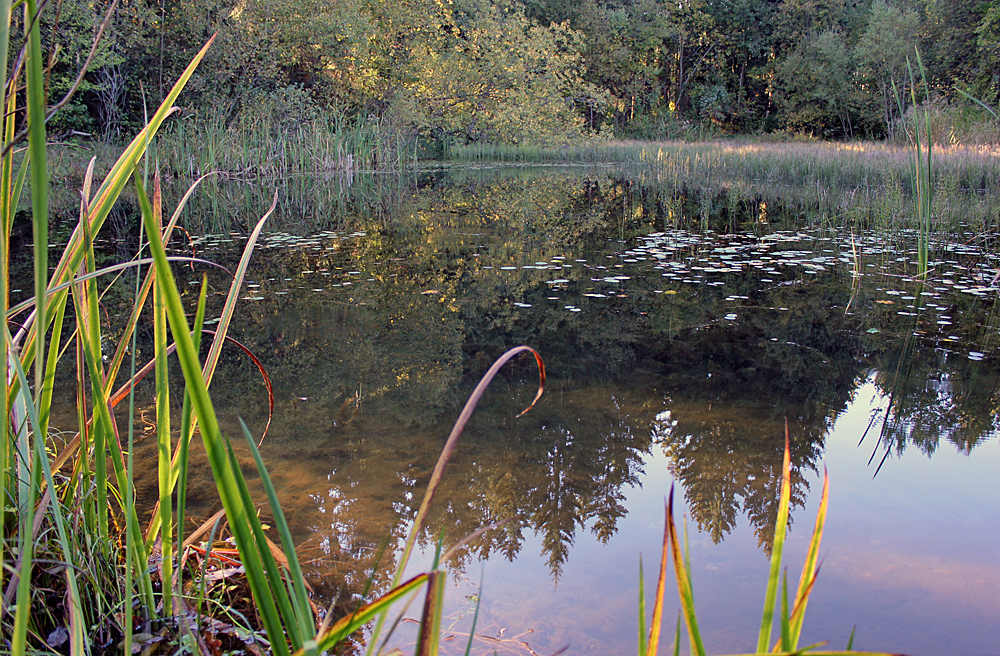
(373, 342)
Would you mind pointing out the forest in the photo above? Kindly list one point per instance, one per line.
(532, 71)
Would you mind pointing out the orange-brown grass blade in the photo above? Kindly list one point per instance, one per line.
(818, 652)
(683, 581)
(456, 432)
(661, 590)
(448, 450)
(811, 567)
(430, 623)
(356, 620)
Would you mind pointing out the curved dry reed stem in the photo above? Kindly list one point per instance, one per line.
(456, 432)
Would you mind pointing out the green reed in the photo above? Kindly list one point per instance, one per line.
(258, 143)
(920, 170)
(62, 501)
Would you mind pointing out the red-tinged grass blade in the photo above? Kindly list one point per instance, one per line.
(268, 386)
(683, 581)
(348, 625)
(811, 567)
(770, 597)
(430, 621)
(661, 591)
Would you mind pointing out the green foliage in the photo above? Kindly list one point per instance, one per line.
(495, 76)
(883, 49)
(815, 88)
(526, 71)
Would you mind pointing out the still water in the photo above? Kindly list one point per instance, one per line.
(680, 331)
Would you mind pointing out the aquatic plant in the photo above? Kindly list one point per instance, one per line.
(265, 143)
(789, 617)
(921, 141)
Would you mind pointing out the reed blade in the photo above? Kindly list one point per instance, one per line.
(348, 625)
(811, 567)
(661, 591)
(770, 597)
(300, 597)
(683, 578)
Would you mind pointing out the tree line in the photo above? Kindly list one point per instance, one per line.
(519, 71)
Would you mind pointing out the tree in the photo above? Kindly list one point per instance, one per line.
(491, 74)
(883, 50)
(988, 43)
(815, 89)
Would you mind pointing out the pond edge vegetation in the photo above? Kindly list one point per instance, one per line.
(81, 574)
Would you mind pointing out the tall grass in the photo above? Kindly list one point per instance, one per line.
(70, 503)
(261, 143)
(921, 162)
(861, 183)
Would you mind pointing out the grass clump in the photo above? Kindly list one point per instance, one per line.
(786, 619)
(81, 572)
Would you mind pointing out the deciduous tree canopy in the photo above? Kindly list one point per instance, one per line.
(530, 71)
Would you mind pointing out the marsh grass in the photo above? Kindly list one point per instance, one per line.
(261, 144)
(81, 571)
(850, 183)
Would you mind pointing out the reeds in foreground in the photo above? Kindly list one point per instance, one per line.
(69, 528)
(789, 617)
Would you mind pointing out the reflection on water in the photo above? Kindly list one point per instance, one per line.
(679, 332)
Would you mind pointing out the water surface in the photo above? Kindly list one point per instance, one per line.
(680, 330)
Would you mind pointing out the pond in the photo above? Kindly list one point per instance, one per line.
(680, 329)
